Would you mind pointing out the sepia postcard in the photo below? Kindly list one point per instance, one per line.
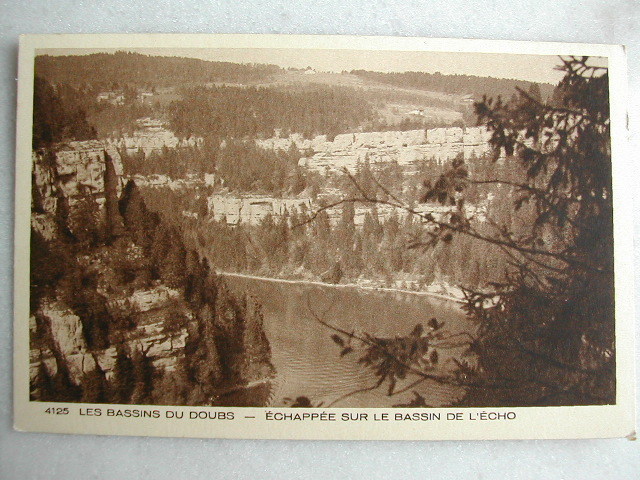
(322, 237)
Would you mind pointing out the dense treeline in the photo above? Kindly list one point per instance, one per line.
(237, 112)
(247, 168)
(65, 112)
(304, 244)
(94, 276)
(56, 117)
(342, 253)
(78, 79)
(239, 165)
(115, 121)
(174, 162)
(113, 70)
(191, 94)
(453, 84)
(299, 246)
(288, 247)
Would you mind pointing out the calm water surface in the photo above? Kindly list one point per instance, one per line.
(307, 361)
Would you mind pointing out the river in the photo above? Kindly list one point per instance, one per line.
(307, 360)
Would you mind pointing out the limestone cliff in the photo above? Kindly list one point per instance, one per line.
(405, 147)
(69, 173)
(127, 314)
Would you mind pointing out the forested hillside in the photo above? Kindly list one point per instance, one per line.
(222, 99)
(57, 118)
(110, 70)
(238, 112)
(136, 318)
(454, 84)
(121, 311)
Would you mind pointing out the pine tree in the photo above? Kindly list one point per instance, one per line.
(534, 93)
(346, 227)
(173, 266)
(137, 218)
(94, 387)
(322, 227)
(564, 333)
(42, 387)
(143, 374)
(123, 379)
(197, 274)
(228, 324)
(91, 307)
(209, 367)
(160, 246)
(256, 363)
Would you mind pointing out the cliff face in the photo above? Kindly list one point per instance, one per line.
(153, 140)
(70, 173)
(125, 314)
(66, 340)
(74, 169)
(405, 147)
(252, 209)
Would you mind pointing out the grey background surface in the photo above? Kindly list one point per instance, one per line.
(64, 457)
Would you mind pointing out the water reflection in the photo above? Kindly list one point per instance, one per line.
(307, 361)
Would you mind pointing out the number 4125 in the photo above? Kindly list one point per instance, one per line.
(57, 410)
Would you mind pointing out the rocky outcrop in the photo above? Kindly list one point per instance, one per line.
(152, 137)
(231, 335)
(252, 209)
(404, 147)
(115, 320)
(65, 341)
(69, 174)
(145, 300)
(80, 168)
